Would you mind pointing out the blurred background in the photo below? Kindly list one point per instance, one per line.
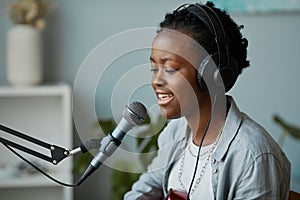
(76, 29)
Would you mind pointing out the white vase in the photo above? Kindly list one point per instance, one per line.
(24, 56)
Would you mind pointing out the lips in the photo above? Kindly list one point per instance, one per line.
(164, 98)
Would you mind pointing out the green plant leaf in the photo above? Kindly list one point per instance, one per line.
(121, 181)
(107, 125)
(147, 120)
(288, 128)
(81, 163)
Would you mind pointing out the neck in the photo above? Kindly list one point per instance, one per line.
(199, 121)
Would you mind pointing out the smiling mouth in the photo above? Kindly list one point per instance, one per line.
(164, 99)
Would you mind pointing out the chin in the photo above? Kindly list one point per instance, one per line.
(169, 114)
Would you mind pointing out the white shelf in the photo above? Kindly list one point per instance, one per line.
(26, 181)
(42, 112)
(44, 90)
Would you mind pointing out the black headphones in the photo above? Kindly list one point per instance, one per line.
(227, 70)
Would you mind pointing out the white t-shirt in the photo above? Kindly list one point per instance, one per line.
(202, 185)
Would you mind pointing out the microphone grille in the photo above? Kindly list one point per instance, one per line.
(135, 113)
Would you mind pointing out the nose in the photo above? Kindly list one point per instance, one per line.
(158, 78)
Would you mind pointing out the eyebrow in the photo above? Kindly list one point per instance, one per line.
(163, 60)
(152, 59)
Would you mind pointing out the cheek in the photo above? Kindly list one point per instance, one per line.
(187, 85)
(183, 91)
(187, 93)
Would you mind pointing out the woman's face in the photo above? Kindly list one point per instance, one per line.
(174, 78)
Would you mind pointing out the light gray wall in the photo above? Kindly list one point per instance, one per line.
(269, 86)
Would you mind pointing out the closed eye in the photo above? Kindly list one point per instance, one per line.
(154, 69)
(170, 70)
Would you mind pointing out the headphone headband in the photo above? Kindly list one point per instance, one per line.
(227, 66)
(211, 20)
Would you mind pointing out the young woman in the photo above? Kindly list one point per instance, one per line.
(210, 149)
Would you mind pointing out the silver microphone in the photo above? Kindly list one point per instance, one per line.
(133, 115)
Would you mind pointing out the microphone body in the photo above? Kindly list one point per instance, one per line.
(111, 142)
(86, 146)
(133, 115)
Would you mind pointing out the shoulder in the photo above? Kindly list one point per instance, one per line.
(256, 139)
(260, 158)
(250, 156)
(245, 139)
(255, 145)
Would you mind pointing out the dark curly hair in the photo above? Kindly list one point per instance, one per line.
(185, 22)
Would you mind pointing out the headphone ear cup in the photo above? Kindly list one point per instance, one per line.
(204, 73)
(212, 74)
(229, 73)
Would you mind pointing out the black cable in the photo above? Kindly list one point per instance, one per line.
(199, 149)
(38, 169)
(198, 156)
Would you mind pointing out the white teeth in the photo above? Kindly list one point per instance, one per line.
(164, 95)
